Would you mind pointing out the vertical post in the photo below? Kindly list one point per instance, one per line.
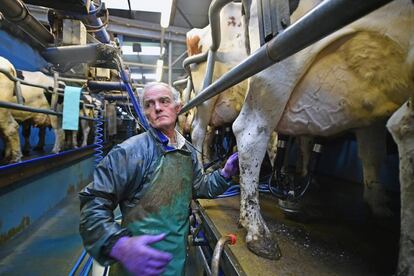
(170, 63)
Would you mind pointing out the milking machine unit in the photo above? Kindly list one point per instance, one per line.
(288, 186)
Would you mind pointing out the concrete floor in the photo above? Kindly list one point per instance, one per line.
(50, 246)
(339, 240)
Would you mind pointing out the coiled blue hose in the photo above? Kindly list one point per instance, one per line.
(98, 138)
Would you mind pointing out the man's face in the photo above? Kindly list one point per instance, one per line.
(160, 108)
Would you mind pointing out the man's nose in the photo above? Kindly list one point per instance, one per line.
(158, 106)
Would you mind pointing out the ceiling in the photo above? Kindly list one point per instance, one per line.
(186, 14)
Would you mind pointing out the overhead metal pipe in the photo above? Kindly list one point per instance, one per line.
(16, 12)
(325, 19)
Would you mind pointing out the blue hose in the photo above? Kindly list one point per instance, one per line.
(77, 264)
(87, 267)
(98, 139)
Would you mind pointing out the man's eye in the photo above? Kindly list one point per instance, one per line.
(165, 101)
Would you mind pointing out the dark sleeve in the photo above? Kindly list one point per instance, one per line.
(208, 185)
(98, 200)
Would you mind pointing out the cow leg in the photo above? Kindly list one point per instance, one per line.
(10, 130)
(26, 127)
(401, 126)
(253, 129)
(86, 128)
(42, 134)
(372, 151)
(59, 134)
(74, 136)
(200, 124)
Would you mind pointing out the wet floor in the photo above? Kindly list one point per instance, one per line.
(338, 236)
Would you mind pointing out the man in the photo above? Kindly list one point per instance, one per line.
(153, 183)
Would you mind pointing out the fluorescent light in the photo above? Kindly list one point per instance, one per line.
(146, 50)
(158, 72)
(138, 76)
(166, 13)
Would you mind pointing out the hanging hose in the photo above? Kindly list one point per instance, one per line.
(98, 138)
(215, 262)
(77, 264)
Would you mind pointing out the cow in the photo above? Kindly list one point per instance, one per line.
(222, 109)
(33, 97)
(401, 126)
(352, 79)
(8, 125)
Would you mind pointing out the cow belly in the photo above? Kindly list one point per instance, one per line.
(350, 85)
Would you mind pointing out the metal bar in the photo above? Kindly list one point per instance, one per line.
(16, 12)
(180, 57)
(214, 19)
(170, 63)
(326, 18)
(37, 110)
(203, 260)
(72, 80)
(180, 82)
(194, 59)
(67, 56)
(208, 76)
(184, 17)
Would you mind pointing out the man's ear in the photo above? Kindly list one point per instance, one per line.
(178, 107)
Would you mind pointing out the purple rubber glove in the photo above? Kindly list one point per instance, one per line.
(135, 254)
(231, 168)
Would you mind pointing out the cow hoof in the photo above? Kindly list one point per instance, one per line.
(266, 248)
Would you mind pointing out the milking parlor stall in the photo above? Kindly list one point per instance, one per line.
(316, 97)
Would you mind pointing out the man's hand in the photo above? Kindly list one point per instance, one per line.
(231, 168)
(135, 254)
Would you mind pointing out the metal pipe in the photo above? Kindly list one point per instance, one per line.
(72, 80)
(215, 260)
(180, 82)
(170, 63)
(106, 85)
(214, 20)
(36, 110)
(178, 58)
(204, 261)
(326, 18)
(187, 91)
(208, 76)
(194, 59)
(97, 53)
(16, 12)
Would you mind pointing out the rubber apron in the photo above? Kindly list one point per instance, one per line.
(164, 208)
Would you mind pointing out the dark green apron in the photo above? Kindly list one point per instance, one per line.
(164, 209)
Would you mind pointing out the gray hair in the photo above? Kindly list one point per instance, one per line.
(175, 94)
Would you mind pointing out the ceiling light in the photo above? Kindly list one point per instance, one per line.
(166, 13)
(158, 72)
